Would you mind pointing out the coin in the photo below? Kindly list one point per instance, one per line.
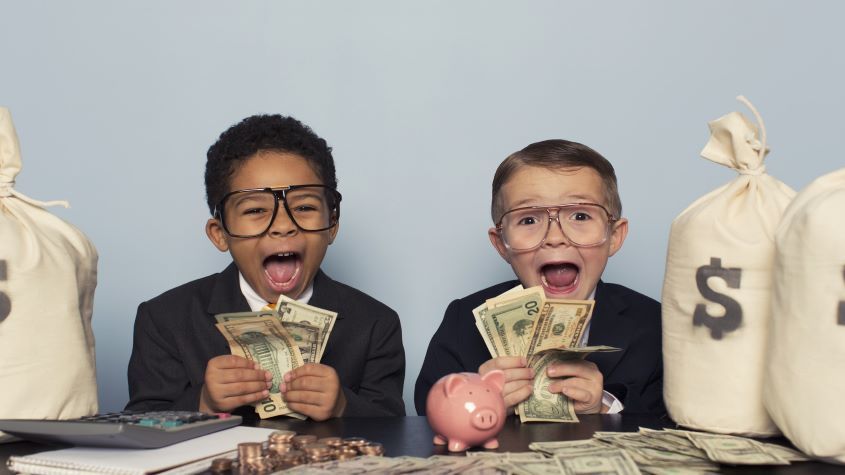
(294, 457)
(355, 441)
(281, 436)
(300, 441)
(279, 448)
(371, 448)
(331, 441)
(221, 465)
(249, 451)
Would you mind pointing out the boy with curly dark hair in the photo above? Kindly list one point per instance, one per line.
(272, 192)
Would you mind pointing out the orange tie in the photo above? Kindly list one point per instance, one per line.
(269, 306)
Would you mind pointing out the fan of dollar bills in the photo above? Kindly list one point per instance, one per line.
(280, 340)
(523, 322)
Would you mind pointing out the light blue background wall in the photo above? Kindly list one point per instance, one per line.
(116, 104)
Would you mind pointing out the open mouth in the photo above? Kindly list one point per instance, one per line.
(560, 278)
(282, 270)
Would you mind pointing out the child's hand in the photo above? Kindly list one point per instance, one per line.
(233, 381)
(314, 390)
(518, 378)
(584, 384)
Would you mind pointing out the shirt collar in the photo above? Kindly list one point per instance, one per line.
(256, 302)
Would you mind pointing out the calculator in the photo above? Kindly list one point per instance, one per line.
(127, 429)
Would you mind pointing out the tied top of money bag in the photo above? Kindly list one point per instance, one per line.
(736, 143)
(10, 163)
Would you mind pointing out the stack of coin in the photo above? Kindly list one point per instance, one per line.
(292, 459)
(300, 441)
(249, 451)
(251, 458)
(280, 442)
(221, 466)
(331, 441)
(344, 453)
(371, 448)
(355, 442)
(281, 436)
(318, 452)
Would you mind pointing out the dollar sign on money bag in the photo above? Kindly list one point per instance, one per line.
(733, 311)
(841, 304)
(5, 301)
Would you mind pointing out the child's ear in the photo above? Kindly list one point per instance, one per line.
(496, 240)
(617, 236)
(216, 235)
(333, 232)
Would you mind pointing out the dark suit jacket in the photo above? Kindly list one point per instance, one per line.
(175, 337)
(622, 318)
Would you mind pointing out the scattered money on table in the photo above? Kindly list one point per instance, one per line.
(280, 340)
(523, 322)
(623, 453)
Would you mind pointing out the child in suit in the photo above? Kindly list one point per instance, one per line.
(272, 191)
(557, 217)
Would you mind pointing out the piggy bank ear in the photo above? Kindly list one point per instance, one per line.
(496, 378)
(453, 382)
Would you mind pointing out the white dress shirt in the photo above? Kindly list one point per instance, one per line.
(256, 302)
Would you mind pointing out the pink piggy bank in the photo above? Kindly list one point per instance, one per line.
(465, 410)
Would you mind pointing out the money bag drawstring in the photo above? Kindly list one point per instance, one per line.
(7, 189)
(756, 145)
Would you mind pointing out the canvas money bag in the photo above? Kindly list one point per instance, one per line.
(48, 271)
(804, 379)
(717, 289)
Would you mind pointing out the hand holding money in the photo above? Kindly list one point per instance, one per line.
(314, 390)
(581, 381)
(518, 378)
(233, 381)
(281, 341)
(522, 326)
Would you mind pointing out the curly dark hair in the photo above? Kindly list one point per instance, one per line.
(258, 133)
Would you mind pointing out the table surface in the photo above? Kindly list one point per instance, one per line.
(412, 436)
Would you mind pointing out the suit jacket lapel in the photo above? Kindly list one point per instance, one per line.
(226, 296)
(609, 327)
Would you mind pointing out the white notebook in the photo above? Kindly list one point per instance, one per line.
(96, 460)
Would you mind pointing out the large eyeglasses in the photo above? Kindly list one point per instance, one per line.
(250, 213)
(583, 224)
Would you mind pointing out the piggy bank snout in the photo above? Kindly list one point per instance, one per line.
(484, 419)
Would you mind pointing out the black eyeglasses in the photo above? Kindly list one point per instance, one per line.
(250, 213)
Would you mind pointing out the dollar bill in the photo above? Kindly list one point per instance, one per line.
(486, 330)
(568, 447)
(228, 317)
(561, 324)
(608, 462)
(485, 327)
(734, 450)
(309, 338)
(265, 341)
(544, 405)
(511, 294)
(292, 311)
(513, 321)
(533, 467)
